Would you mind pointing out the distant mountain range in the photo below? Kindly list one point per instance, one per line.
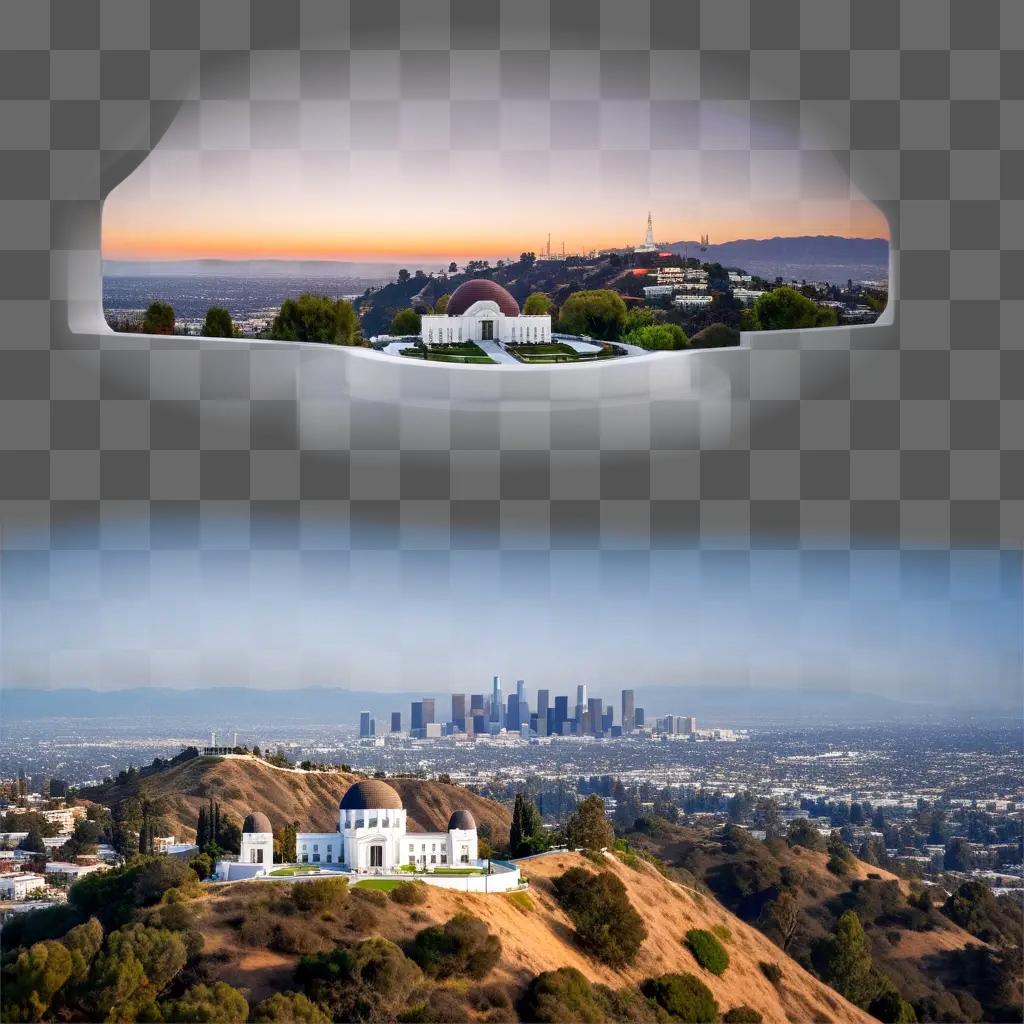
(812, 257)
(815, 257)
(252, 268)
(240, 706)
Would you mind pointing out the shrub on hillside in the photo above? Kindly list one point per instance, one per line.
(742, 1015)
(288, 1008)
(489, 997)
(218, 1003)
(375, 897)
(707, 950)
(461, 947)
(442, 1006)
(366, 981)
(320, 894)
(32, 980)
(562, 996)
(803, 833)
(892, 1009)
(606, 924)
(293, 934)
(409, 894)
(682, 996)
(773, 972)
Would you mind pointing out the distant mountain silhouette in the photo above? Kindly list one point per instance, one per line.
(814, 257)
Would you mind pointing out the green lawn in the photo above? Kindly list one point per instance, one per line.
(467, 352)
(382, 884)
(558, 352)
(299, 869)
(458, 871)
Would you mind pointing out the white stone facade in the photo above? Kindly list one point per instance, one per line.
(484, 321)
(257, 848)
(371, 841)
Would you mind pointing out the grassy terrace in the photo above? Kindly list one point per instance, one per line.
(298, 869)
(558, 352)
(380, 884)
(410, 870)
(467, 352)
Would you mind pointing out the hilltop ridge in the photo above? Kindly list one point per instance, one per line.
(244, 784)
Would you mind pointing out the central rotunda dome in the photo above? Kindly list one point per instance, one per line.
(371, 795)
(481, 290)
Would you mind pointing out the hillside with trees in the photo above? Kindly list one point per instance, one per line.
(890, 944)
(285, 794)
(593, 939)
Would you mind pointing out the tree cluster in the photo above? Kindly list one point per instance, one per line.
(526, 834)
(607, 925)
(317, 318)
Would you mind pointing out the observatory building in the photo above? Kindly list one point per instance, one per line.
(371, 838)
(481, 311)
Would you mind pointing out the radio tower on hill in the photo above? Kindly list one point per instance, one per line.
(648, 245)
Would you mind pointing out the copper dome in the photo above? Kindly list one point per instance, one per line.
(462, 819)
(371, 795)
(256, 822)
(481, 290)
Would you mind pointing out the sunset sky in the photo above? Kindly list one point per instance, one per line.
(402, 200)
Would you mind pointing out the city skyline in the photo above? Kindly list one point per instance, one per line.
(491, 716)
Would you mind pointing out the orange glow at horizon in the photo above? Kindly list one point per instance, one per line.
(278, 208)
(146, 235)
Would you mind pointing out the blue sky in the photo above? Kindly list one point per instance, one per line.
(310, 609)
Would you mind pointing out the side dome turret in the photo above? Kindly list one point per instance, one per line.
(257, 821)
(462, 819)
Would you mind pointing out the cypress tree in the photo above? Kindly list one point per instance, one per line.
(515, 834)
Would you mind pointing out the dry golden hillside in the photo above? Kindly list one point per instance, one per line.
(912, 958)
(244, 784)
(536, 936)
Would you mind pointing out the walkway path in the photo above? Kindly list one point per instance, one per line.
(497, 353)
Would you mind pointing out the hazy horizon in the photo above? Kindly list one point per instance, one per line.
(363, 266)
(324, 606)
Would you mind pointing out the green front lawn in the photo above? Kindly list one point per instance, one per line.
(457, 871)
(298, 869)
(558, 352)
(466, 352)
(382, 884)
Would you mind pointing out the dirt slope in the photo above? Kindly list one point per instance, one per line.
(912, 959)
(541, 939)
(243, 784)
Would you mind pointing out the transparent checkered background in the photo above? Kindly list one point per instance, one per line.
(902, 435)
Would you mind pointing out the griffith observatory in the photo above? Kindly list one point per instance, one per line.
(372, 839)
(481, 310)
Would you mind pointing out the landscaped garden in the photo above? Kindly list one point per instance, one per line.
(441, 870)
(463, 352)
(297, 869)
(560, 352)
